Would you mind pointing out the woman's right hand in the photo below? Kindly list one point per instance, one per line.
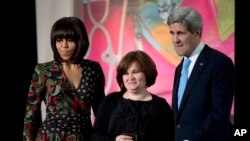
(123, 138)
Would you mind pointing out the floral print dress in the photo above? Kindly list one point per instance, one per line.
(68, 110)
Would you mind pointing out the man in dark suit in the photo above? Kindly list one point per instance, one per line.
(204, 110)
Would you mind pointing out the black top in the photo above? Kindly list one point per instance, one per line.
(130, 117)
(149, 120)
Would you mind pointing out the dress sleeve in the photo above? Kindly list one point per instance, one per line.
(101, 124)
(32, 118)
(168, 122)
(99, 89)
(163, 123)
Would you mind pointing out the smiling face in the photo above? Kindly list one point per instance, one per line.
(134, 79)
(184, 41)
(65, 48)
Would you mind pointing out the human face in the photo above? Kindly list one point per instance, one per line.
(183, 40)
(134, 79)
(65, 48)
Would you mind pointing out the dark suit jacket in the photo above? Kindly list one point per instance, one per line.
(204, 113)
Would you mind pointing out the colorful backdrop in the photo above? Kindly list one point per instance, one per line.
(118, 26)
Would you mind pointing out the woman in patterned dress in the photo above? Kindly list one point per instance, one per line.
(69, 85)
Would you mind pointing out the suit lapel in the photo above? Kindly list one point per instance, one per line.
(200, 64)
(176, 85)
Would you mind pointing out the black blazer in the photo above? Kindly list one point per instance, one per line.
(204, 113)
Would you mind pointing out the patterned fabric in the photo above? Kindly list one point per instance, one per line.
(68, 109)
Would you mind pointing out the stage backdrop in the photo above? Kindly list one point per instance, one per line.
(118, 26)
